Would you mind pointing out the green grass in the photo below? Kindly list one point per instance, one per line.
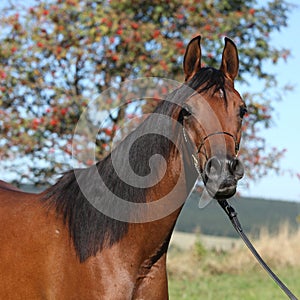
(248, 285)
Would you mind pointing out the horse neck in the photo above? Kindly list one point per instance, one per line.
(174, 188)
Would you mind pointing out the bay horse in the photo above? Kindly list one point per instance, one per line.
(57, 245)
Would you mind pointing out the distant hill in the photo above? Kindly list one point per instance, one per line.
(253, 215)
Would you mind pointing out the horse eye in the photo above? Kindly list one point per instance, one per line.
(243, 111)
(186, 111)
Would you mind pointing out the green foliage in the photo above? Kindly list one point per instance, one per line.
(57, 55)
(200, 248)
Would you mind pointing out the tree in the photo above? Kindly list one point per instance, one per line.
(57, 55)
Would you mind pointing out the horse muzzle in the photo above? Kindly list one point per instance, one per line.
(220, 176)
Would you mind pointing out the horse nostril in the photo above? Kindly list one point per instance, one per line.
(213, 168)
(236, 168)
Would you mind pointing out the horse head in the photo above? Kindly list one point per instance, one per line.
(212, 118)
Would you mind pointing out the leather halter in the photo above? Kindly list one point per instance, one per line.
(195, 158)
(237, 146)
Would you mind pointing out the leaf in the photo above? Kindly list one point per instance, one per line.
(59, 54)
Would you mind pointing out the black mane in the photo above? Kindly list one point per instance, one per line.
(90, 229)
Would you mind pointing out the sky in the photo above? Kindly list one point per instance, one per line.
(285, 133)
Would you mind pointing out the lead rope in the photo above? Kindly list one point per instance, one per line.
(232, 214)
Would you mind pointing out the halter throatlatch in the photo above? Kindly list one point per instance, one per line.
(232, 214)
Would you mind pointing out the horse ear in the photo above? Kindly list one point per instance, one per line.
(230, 60)
(192, 58)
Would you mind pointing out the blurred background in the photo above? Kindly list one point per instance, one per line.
(56, 56)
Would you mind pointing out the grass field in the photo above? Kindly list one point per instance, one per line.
(202, 271)
(247, 285)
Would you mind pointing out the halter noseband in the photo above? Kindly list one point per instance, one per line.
(237, 146)
(194, 156)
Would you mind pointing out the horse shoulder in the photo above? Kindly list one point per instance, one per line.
(34, 246)
(153, 284)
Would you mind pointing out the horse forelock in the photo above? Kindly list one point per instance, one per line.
(206, 79)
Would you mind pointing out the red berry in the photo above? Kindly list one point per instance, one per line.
(134, 25)
(156, 33)
(252, 11)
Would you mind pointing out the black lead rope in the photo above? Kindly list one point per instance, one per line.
(232, 214)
